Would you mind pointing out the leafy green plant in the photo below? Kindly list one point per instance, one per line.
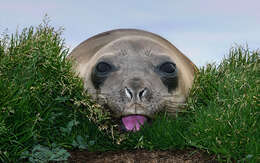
(42, 154)
(82, 143)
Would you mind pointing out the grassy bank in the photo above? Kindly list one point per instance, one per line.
(42, 103)
(44, 110)
(225, 106)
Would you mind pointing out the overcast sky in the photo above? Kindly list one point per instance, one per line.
(204, 30)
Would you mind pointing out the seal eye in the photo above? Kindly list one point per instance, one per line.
(168, 73)
(168, 67)
(101, 72)
(103, 67)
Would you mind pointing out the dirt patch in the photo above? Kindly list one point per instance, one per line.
(141, 156)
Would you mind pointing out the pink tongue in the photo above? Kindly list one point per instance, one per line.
(133, 122)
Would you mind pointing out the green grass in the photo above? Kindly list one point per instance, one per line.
(225, 102)
(41, 100)
(44, 110)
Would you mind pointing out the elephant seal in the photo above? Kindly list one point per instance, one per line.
(134, 73)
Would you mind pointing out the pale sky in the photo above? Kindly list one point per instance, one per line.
(204, 30)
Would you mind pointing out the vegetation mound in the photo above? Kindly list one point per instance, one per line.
(45, 111)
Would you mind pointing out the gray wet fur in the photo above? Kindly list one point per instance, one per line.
(134, 86)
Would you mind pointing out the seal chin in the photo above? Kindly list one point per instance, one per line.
(136, 108)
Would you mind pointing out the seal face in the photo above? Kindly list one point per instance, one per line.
(134, 73)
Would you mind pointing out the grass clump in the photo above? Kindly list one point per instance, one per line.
(41, 100)
(225, 105)
(164, 133)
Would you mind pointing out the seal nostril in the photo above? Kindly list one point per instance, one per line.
(128, 93)
(142, 93)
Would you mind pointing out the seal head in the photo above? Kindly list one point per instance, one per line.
(134, 73)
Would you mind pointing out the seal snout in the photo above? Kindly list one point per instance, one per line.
(139, 95)
(136, 90)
